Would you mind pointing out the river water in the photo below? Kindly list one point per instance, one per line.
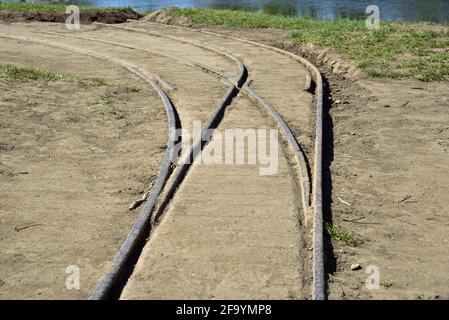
(402, 10)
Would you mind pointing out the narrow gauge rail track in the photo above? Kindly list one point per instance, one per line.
(298, 152)
(318, 287)
(238, 84)
(138, 232)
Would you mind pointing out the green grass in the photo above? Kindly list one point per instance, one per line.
(233, 18)
(14, 73)
(44, 7)
(147, 12)
(128, 88)
(41, 7)
(348, 237)
(109, 98)
(387, 284)
(397, 50)
(117, 112)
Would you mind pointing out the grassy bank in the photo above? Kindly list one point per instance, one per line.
(397, 50)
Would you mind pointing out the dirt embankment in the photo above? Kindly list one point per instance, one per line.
(386, 176)
(87, 16)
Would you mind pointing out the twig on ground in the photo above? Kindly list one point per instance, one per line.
(356, 220)
(343, 201)
(412, 224)
(404, 198)
(17, 229)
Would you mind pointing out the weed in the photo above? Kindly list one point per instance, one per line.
(348, 237)
(128, 88)
(14, 73)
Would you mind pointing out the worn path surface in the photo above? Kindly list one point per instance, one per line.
(229, 232)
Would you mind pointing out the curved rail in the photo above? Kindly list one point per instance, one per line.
(318, 289)
(318, 286)
(294, 145)
(155, 52)
(137, 233)
(239, 64)
(108, 284)
(299, 156)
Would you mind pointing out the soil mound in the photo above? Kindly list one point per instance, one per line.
(88, 16)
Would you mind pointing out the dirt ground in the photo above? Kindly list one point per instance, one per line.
(386, 177)
(389, 177)
(89, 16)
(72, 159)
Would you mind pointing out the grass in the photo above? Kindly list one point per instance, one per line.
(117, 112)
(43, 7)
(109, 97)
(396, 50)
(107, 101)
(233, 18)
(387, 284)
(128, 88)
(14, 73)
(146, 12)
(348, 237)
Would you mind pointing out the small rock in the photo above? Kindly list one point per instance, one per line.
(356, 266)
(338, 101)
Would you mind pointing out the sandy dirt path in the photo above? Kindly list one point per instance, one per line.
(71, 163)
(197, 93)
(387, 154)
(30, 280)
(229, 233)
(386, 157)
(277, 78)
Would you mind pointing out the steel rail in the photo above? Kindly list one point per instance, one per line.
(106, 287)
(188, 62)
(316, 204)
(299, 157)
(292, 142)
(137, 232)
(294, 145)
(318, 286)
